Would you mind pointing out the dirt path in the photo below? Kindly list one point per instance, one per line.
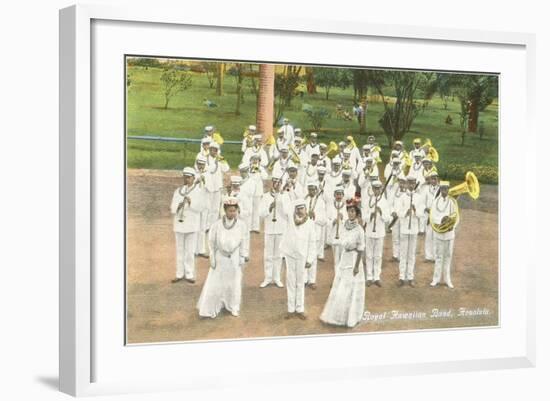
(160, 311)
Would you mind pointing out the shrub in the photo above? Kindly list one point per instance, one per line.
(455, 171)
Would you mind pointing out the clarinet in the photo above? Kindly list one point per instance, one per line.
(410, 205)
(274, 218)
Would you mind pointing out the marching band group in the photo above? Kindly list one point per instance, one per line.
(312, 205)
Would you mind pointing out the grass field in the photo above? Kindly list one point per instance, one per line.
(187, 116)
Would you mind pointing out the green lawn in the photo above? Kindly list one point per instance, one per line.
(187, 116)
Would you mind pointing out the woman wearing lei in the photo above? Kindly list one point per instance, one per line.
(223, 286)
(346, 301)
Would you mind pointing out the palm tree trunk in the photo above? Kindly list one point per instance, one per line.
(266, 98)
(219, 82)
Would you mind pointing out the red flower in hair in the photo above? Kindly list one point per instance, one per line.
(356, 201)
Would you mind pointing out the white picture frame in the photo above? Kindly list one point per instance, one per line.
(80, 343)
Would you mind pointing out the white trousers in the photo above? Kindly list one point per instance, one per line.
(429, 244)
(273, 260)
(185, 254)
(443, 256)
(407, 256)
(337, 254)
(201, 235)
(295, 284)
(214, 204)
(321, 243)
(422, 223)
(310, 275)
(373, 253)
(256, 200)
(395, 240)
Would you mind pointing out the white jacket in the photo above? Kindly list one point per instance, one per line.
(402, 206)
(191, 213)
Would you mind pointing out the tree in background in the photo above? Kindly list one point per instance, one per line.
(238, 72)
(310, 81)
(398, 117)
(361, 80)
(210, 70)
(476, 92)
(285, 88)
(327, 78)
(219, 79)
(266, 98)
(173, 82)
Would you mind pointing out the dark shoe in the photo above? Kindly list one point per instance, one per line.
(321, 259)
(369, 283)
(301, 315)
(203, 255)
(288, 316)
(378, 283)
(177, 280)
(313, 286)
(411, 283)
(393, 258)
(401, 283)
(190, 280)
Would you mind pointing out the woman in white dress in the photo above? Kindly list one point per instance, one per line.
(346, 301)
(223, 285)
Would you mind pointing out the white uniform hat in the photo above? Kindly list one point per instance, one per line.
(200, 158)
(411, 178)
(236, 180)
(424, 160)
(257, 136)
(276, 178)
(339, 188)
(299, 203)
(252, 128)
(297, 139)
(283, 148)
(373, 177)
(433, 173)
(444, 184)
(347, 152)
(285, 120)
(346, 171)
(323, 145)
(396, 160)
(313, 134)
(416, 154)
(206, 139)
(369, 159)
(321, 169)
(297, 130)
(313, 183)
(208, 128)
(214, 145)
(376, 184)
(336, 160)
(188, 171)
(399, 143)
(231, 201)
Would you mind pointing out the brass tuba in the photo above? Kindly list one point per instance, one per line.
(431, 152)
(469, 186)
(332, 149)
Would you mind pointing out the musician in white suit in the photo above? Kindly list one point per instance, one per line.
(257, 151)
(409, 208)
(376, 214)
(257, 174)
(444, 208)
(429, 191)
(275, 222)
(394, 197)
(202, 176)
(335, 218)
(317, 213)
(187, 204)
(288, 131)
(324, 160)
(299, 250)
(312, 145)
(347, 184)
(216, 168)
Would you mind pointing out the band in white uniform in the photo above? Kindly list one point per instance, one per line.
(303, 211)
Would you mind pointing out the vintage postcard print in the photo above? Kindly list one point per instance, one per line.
(269, 200)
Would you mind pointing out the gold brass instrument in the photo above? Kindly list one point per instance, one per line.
(431, 152)
(248, 137)
(469, 186)
(332, 149)
(217, 137)
(270, 140)
(294, 155)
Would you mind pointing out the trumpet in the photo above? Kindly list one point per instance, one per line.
(294, 155)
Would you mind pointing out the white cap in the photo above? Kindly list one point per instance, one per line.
(297, 139)
(283, 148)
(297, 130)
(208, 128)
(369, 159)
(214, 145)
(339, 188)
(342, 143)
(416, 154)
(313, 183)
(200, 158)
(189, 171)
(244, 166)
(373, 177)
(347, 151)
(426, 160)
(257, 136)
(399, 143)
(411, 178)
(323, 145)
(276, 178)
(346, 171)
(231, 201)
(321, 169)
(206, 139)
(255, 156)
(313, 134)
(336, 160)
(292, 166)
(285, 120)
(376, 184)
(444, 184)
(236, 179)
(396, 160)
(299, 203)
(252, 128)
(433, 173)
